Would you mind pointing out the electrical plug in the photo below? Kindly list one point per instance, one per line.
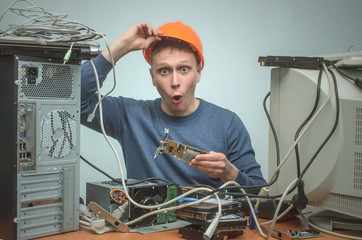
(212, 227)
(300, 201)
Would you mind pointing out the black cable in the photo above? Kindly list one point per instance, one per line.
(307, 120)
(148, 180)
(309, 162)
(276, 140)
(277, 148)
(333, 129)
(98, 169)
(119, 180)
(356, 80)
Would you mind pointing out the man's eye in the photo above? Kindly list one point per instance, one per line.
(164, 71)
(184, 69)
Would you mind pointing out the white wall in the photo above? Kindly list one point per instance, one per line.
(234, 33)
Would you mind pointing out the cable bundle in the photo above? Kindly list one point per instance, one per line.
(44, 25)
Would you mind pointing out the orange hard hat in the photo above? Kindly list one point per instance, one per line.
(180, 31)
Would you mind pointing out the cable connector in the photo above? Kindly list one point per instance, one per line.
(99, 226)
(300, 201)
(212, 227)
(90, 117)
(120, 211)
(67, 56)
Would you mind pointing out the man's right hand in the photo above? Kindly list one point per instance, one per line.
(137, 37)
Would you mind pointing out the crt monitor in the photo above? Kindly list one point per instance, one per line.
(334, 180)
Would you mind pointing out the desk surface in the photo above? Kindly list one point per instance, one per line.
(295, 224)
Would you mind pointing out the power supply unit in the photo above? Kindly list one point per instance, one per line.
(145, 193)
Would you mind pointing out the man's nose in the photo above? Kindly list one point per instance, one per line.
(175, 80)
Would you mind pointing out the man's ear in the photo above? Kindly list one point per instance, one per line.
(199, 72)
(153, 79)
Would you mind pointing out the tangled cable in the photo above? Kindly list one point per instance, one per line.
(44, 25)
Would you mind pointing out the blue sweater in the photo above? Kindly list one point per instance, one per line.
(139, 125)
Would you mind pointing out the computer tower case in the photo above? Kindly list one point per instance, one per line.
(40, 132)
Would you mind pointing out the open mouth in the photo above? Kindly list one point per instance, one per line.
(176, 98)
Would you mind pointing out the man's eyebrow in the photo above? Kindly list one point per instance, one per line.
(161, 64)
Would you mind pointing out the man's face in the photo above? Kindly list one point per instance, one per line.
(175, 74)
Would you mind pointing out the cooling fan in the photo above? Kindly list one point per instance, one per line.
(59, 134)
(152, 196)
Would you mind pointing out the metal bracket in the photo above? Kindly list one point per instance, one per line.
(117, 224)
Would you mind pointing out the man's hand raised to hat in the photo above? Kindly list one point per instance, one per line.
(137, 37)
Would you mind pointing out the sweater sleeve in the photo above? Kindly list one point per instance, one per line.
(89, 97)
(89, 86)
(242, 155)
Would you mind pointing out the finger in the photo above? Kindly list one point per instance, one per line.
(152, 31)
(206, 157)
(149, 30)
(150, 40)
(208, 164)
(145, 33)
(212, 172)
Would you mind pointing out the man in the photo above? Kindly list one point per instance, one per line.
(174, 52)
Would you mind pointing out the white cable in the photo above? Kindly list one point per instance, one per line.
(275, 217)
(175, 207)
(86, 217)
(91, 116)
(280, 216)
(47, 26)
(250, 206)
(281, 200)
(325, 230)
(209, 231)
(84, 223)
(330, 82)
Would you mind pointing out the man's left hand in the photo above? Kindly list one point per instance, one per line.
(215, 165)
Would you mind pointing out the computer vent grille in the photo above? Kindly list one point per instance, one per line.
(358, 136)
(54, 81)
(357, 183)
(342, 203)
(59, 134)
